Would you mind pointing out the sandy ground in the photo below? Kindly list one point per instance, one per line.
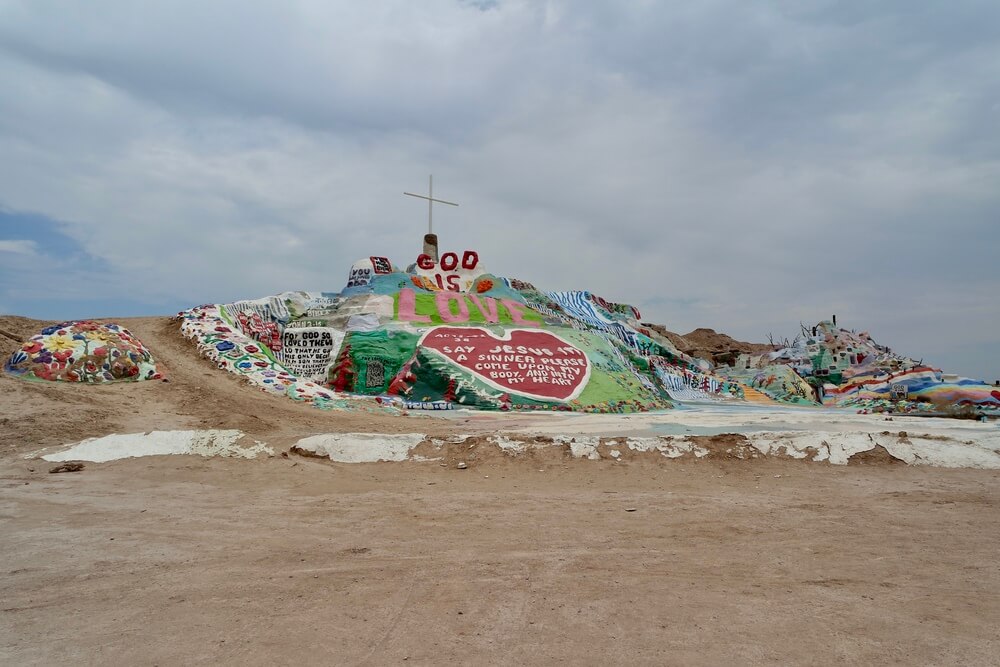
(536, 559)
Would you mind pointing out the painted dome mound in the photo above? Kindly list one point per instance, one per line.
(83, 351)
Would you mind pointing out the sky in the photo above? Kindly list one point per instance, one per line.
(743, 166)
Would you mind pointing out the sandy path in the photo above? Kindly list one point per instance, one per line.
(181, 560)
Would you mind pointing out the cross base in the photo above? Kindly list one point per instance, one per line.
(431, 246)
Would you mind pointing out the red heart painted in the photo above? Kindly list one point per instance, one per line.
(532, 363)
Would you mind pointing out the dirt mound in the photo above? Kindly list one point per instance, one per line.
(719, 348)
(727, 446)
(676, 339)
(15, 330)
(879, 455)
(478, 450)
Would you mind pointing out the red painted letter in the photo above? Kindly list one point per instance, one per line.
(449, 261)
(470, 259)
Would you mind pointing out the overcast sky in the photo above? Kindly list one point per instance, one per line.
(736, 165)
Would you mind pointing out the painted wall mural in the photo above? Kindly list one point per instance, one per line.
(583, 307)
(219, 337)
(689, 383)
(84, 351)
(780, 383)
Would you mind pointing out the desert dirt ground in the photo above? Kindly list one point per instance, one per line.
(532, 560)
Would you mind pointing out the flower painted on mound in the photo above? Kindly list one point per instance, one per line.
(63, 355)
(99, 336)
(60, 343)
(32, 347)
(101, 352)
(224, 345)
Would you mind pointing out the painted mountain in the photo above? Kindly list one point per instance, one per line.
(445, 334)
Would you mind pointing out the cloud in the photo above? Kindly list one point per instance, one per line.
(735, 165)
(18, 247)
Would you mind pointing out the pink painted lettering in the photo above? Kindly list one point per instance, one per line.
(443, 302)
(489, 311)
(517, 314)
(408, 307)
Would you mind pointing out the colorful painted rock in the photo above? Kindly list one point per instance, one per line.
(85, 351)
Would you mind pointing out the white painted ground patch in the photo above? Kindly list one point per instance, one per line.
(943, 443)
(361, 447)
(158, 443)
(585, 447)
(914, 449)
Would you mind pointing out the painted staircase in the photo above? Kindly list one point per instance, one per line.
(754, 396)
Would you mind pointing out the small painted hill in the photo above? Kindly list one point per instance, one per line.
(849, 369)
(83, 351)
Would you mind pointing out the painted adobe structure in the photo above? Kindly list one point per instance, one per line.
(447, 333)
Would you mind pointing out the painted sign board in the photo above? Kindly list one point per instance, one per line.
(308, 351)
(532, 363)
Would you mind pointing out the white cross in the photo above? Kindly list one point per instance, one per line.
(430, 203)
